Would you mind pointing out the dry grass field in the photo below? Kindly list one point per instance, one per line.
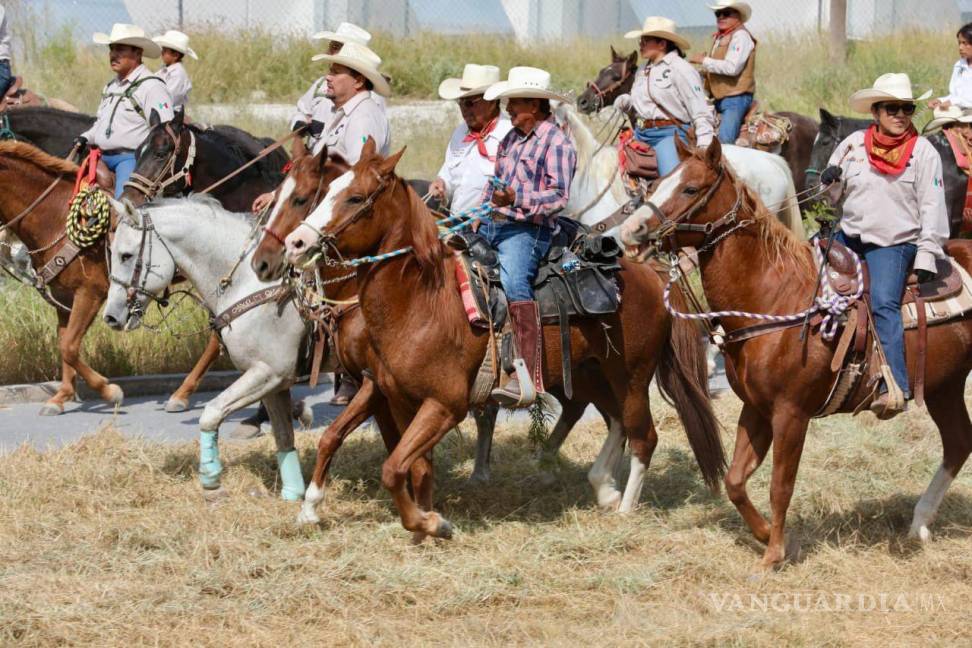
(108, 542)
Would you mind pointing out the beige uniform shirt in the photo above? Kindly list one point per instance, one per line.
(177, 81)
(465, 171)
(889, 210)
(119, 125)
(677, 86)
(346, 128)
(314, 105)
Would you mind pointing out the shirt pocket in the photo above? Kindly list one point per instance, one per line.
(909, 175)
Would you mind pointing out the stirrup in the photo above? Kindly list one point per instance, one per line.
(526, 394)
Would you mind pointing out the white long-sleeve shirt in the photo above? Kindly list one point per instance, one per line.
(678, 87)
(465, 171)
(960, 85)
(741, 45)
(348, 127)
(314, 105)
(5, 49)
(889, 210)
(118, 124)
(177, 81)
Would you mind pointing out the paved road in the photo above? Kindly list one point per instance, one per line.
(145, 417)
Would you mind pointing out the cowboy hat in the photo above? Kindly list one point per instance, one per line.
(894, 86)
(745, 11)
(660, 28)
(945, 116)
(525, 83)
(475, 80)
(125, 34)
(362, 60)
(176, 40)
(345, 33)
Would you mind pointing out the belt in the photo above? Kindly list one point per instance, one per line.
(657, 123)
(117, 151)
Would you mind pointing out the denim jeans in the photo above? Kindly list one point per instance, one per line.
(122, 164)
(888, 268)
(732, 110)
(662, 139)
(6, 77)
(521, 246)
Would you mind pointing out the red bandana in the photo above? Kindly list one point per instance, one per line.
(480, 139)
(887, 154)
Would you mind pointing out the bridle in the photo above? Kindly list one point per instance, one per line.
(136, 285)
(268, 229)
(168, 174)
(601, 93)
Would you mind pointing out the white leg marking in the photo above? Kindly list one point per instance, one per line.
(632, 492)
(308, 514)
(601, 474)
(927, 507)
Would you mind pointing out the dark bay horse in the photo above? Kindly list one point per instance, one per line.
(49, 129)
(749, 263)
(835, 128)
(428, 354)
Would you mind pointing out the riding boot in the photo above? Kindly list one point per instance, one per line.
(344, 388)
(523, 385)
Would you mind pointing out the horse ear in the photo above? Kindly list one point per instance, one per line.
(633, 58)
(713, 154)
(387, 166)
(298, 149)
(614, 55)
(177, 120)
(682, 149)
(369, 148)
(826, 117)
(154, 119)
(322, 158)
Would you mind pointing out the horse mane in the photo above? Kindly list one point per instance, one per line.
(781, 246)
(37, 157)
(425, 237)
(584, 142)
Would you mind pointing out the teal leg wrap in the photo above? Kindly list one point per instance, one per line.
(210, 467)
(290, 475)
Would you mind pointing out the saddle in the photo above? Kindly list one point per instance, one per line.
(764, 131)
(637, 159)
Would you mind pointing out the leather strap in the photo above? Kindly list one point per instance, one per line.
(565, 349)
(617, 217)
(319, 346)
(247, 304)
(756, 330)
(840, 354)
(61, 259)
(259, 156)
(922, 346)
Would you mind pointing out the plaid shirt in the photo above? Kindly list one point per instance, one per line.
(538, 167)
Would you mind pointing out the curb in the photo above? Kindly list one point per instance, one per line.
(131, 385)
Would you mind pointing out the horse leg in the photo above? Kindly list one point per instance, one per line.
(571, 411)
(430, 424)
(947, 408)
(753, 438)
(789, 434)
(179, 401)
(642, 437)
(485, 425)
(288, 461)
(55, 404)
(602, 473)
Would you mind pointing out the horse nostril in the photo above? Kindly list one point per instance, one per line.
(298, 244)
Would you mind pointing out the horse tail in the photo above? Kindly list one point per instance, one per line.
(683, 382)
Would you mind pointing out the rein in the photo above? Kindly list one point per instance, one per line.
(259, 156)
(154, 187)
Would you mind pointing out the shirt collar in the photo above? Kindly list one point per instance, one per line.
(134, 75)
(354, 102)
(962, 63)
(670, 57)
(540, 130)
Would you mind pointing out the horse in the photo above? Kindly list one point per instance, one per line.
(835, 128)
(749, 263)
(49, 129)
(617, 78)
(201, 241)
(429, 355)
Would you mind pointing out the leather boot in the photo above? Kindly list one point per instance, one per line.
(527, 337)
(344, 389)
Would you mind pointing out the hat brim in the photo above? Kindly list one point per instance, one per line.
(451, 89)
(150, 49)
(862, 100)
(188, 51)
(940, 122)
(371, 73)
(680, 42)
(745, 11)
(503, 90)
(334, 36)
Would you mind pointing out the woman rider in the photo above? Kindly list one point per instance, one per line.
(893, 213)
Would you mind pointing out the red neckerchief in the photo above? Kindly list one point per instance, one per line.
(717, 35)
(480, 139)
(889, 155)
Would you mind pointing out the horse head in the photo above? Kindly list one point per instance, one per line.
(613, 80)
(833, 129)
(163, 162)
(307, 182)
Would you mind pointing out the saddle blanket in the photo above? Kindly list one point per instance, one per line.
(945, 309)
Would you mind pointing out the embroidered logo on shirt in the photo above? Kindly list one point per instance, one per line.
(163, 104)
(938, 182)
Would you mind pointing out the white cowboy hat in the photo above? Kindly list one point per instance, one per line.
(125, 34)
(525, 83)
(944, 116)
(475, 80)
(345, 33)
(660, 28)
(360, 59)
(176, 40)
(745, 11)
(894, 86)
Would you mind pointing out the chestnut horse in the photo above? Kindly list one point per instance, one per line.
(750, 263)
(429, 355)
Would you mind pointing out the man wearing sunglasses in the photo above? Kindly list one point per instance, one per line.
(730, 67)
(894, 214)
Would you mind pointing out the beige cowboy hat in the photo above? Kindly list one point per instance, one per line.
(125, 34)
(894, 86)
(176, 40)
(362, 60)
(524, 83)
(745, 11)
(944, 116)
(345, 33)
(660, 28)
(475, 80)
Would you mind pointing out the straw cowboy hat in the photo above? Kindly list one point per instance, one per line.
(745, 11)
(475, 80)
(345, 33)
(894, 86)
(660, 28)
(945, 116)
(176, 40)
(362, 60)
(524, 83)
(124, 34)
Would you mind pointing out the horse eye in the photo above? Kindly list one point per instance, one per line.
(126, 257)
(355, 200)
(690, 190)
(298, 201)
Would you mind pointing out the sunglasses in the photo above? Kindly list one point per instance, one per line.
(906, 109)
(724, 13)
(469, 102)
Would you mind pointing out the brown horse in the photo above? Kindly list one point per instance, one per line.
(35, 212)
(750, 263)
(428, 355)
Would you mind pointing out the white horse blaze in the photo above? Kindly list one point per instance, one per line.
(304, 238)
(286, 189)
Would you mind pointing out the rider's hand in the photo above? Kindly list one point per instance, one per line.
(696, 59)
(80, 142)
(934, 103)
(437, 189)
(316, 128)
(263, 201)
(924, 275)
(623, 102)
(831, 175)
(503, 197)
(298, 125)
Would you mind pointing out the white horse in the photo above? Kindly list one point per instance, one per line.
(202, 241)
(597, 190)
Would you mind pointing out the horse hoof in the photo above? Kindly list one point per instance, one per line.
(246, 430)
(444, 530)
(308, 515)
(175, 405)
(921, 533)
(214, 495)
(50, 409)
(114, 394)
(418, 538)
(610, 503)
(480, 478)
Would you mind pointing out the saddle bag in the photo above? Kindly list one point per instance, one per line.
(638, 160)
(579, 275)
